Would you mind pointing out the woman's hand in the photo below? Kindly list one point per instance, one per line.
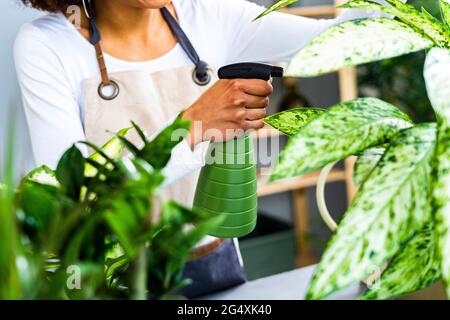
(227, 109)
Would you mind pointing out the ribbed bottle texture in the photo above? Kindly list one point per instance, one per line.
(227, 186)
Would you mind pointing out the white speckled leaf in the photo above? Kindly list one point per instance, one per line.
(290, 121)
(343, 130)
(276, 6)
(445, 11)
(424, 24)
(356, 42)
(415, 267)
(392, 205)
(43, 175)
(113, 149)
(365, 163)
(437, 76)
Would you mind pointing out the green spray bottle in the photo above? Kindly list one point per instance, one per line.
(227, 184)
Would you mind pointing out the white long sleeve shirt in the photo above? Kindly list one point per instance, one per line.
(53, 59)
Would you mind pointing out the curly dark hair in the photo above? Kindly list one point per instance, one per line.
(51, 5)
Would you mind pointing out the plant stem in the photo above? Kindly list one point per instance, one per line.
(139, 275)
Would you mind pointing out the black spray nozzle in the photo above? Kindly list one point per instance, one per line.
(250, 70)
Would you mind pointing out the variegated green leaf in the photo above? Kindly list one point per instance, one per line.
(113, 149)
(415, 267)
(445, 12)
(343, 130)
(356, 42)
(289, 122)
(437, 76)
(392, 205)
(366, 162)
(42, 175)
(276, 6)
(424, 24)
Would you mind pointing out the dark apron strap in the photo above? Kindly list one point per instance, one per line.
(201, 76)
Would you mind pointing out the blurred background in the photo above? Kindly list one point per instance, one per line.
(14, 15)
(290, 232)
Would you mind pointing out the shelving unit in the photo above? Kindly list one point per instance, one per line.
(300, 182)
(298, 185)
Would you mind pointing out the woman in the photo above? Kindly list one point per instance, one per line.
(147, 60)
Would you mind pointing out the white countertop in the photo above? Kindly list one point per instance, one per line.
(290, 285)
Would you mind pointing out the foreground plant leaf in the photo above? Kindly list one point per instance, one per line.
(343, 130)
(127, 211)
(91, 273)
(424, 24)
(289, 122)
(158, 151)
(392, 205)
(43, 175)
(70, 172)
(172, 244)
(276, 6)
(437, 76)
(415, 267)
(113, 149)
(10, 277)
(365, 164)
(445, 11)
(348, 44)
(40, 204)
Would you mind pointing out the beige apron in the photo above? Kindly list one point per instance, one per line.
(150, 100)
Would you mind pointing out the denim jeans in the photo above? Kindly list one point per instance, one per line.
(216, 271)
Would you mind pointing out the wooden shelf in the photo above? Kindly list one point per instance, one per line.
(313, 11)
(301, 182)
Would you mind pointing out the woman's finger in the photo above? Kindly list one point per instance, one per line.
(252, 102)
(255, 114)
(252, 124)
(256, 87)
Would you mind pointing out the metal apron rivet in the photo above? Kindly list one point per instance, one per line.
(204, 82)
(113, 95)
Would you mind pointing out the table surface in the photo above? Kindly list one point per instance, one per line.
(290, 285)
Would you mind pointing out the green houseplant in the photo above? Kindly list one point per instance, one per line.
(389, 79)
(83, 231)
(399, 221)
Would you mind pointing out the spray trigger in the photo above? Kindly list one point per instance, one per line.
(250, 70)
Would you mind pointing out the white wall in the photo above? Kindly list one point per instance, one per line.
(13, 16)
